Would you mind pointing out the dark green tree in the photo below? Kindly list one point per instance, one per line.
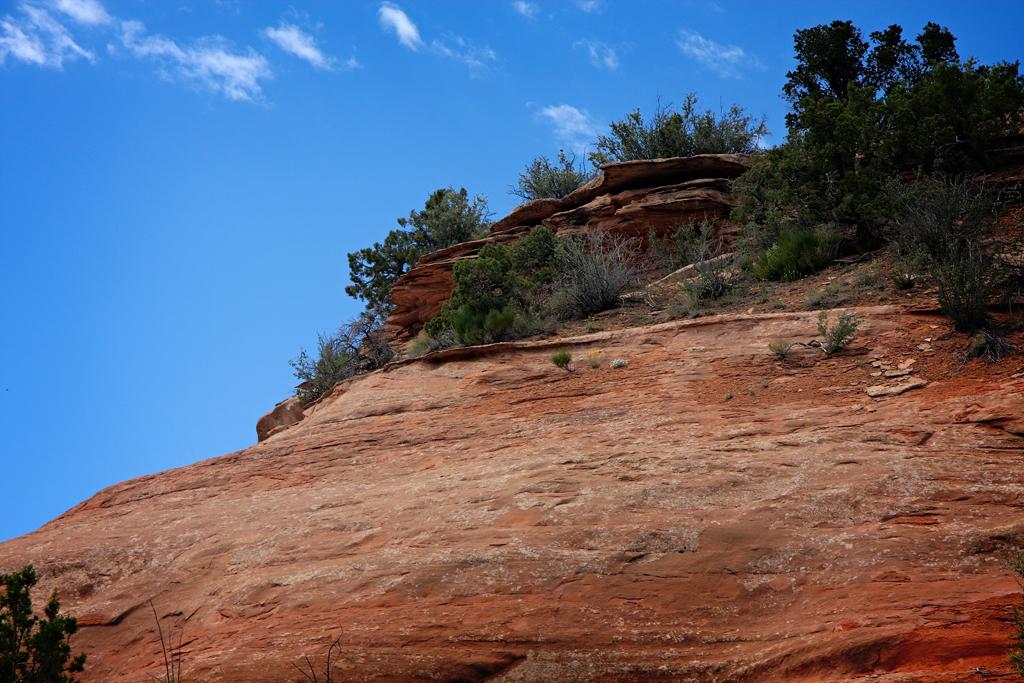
(863, 111)
(830, 58)
(34, 649)
(449, 216)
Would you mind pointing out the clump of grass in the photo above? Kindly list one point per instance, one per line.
(817, 297)
(728, 396)
(781, 348)
(840, 334)
(563, 360)
(619, 363)
(903, 280)
(869, 278)
(594, 359)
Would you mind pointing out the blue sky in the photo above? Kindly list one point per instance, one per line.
(180, 181)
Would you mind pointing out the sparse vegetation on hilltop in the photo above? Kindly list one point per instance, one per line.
(669, 133)
(882, 132)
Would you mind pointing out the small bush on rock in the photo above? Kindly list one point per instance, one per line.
(835, 337)
(702, 244)
(563, 360)
(497, 294)
(680, 133)
(796, 253)
(938, 223)
(594, 270)
(781, 348)
(544, 179)
(357, 347)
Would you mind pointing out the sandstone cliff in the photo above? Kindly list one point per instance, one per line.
(705, 513)
(628, 198)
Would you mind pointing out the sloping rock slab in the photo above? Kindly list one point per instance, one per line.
(494, 518)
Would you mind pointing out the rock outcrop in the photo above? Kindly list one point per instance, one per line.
(285, 414)
(630, 198)
(706, 513)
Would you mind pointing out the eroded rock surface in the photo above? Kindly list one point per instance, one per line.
(285, 414)
(706, 513)
(631, 198)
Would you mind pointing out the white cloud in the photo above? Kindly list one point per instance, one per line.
(476, 57)
(725, 60)
(392, 18)
(601, 55)
(209, 62)
(527, 9)
(293, 40)
(37, 38)
(590, 6)
(458, 48)
(89, 12)
(573, 127)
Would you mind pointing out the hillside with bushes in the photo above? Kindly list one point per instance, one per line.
(697, 409)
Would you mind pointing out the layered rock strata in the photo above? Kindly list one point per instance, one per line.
(631, 198)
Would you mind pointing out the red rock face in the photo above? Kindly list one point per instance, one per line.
(631, 198)
(705, 513)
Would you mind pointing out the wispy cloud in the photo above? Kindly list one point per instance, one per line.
(210, 62)
(392, 18)
(527, 9)
(36, 37)
(476, 57)
(590, 6)
(601, 55)
(88, 12)
(572, 126)
(452, 46)
(725, 60)
(295, 41)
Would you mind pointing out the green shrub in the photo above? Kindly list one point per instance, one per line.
(835, 337)
(34, 649)
(563, 360)
(544, 179)
(594, 270)
(796, 253)
(938, 224)
(619, 363)
(357, 347)
(498, 295)
(702, 244)
(781, 348)
(679, 134)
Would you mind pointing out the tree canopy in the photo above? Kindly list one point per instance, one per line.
(448, 217)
